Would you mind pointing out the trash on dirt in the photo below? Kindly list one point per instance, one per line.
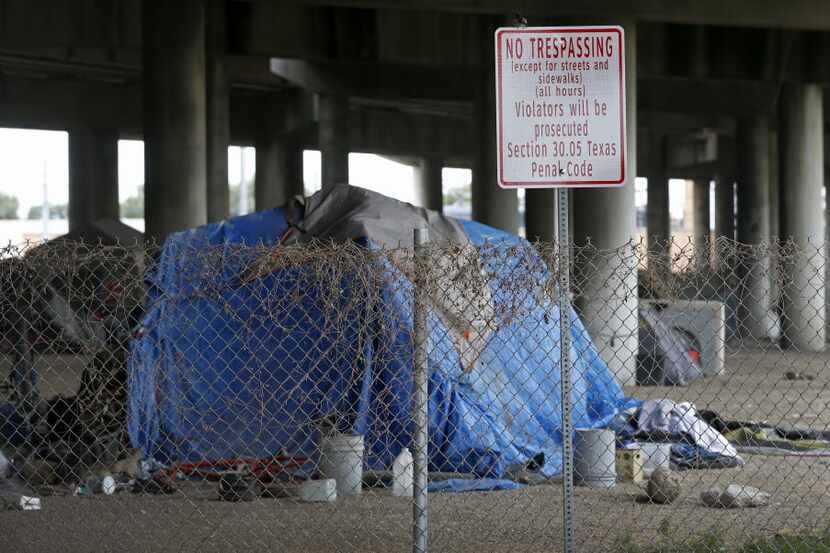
(695, 444)
(629, 464)
(735, 496)
(15, 495)
(239, 486)
(663, 486)
(528, 472)
(159, 484)
(319, 490)
(794, 375)
(129, 465)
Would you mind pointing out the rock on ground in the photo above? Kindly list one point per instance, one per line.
(735, 496)
(663, 486)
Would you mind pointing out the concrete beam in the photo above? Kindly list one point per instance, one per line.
(395, 132)
(687, 150)
(795, 14)
(707, 96)
(64, 104)
(378, 79)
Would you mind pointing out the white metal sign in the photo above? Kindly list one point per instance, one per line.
(560, 107)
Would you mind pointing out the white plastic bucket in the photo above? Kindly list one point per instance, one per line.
(595, 458)
(655, 456)
(341, 458)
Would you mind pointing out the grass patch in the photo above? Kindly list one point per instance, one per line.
(785, 542)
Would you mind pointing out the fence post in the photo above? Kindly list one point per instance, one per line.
(565, 369)
(419, 404)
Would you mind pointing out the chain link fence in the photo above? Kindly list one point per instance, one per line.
(278, 399)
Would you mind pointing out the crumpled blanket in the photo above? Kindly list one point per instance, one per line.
(664, 415)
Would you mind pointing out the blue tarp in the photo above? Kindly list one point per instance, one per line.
(201, 387)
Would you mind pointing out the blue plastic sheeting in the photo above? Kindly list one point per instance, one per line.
(475, 485)
(222, 374)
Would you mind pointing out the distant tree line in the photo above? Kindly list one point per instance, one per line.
(57, 211)
(8, 206)
(131, 208)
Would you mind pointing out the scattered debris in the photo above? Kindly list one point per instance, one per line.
(129, 465)
(735, 496)
(14, 495)
(663, 486)
(319, 490)
(794, 375)
(630, 464)
(239, 486)
(159, 484)
(529, 472)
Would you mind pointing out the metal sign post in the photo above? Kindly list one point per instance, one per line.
(565, 364)
(420, 379)
(560, 123)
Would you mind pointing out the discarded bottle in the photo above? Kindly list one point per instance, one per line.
(402, 472)
(97, 485)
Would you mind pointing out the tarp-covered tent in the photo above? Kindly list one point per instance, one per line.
(212, 390)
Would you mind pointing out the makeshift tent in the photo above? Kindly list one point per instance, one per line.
(250, 379)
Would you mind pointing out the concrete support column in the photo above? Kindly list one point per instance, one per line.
(774, 222)
(701, 231)
(724, 221)
(658, 223)
(540, 214)
(607, 282)
(825, 249)
(334, 139)
(725, 207)
(175, 146)
(802, 218)
(753, 265)
(218, 111)
(429, 183)
(93, 176)
(492, 205)
(279, 171)
(774, 191)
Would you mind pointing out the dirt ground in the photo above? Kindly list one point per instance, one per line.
(753, 387)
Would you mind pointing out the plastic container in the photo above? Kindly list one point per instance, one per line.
(319, 490)
(341, 458)
(655, 456)
(402, 473)
(595, 458)
(101, 484)
(629, 464)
